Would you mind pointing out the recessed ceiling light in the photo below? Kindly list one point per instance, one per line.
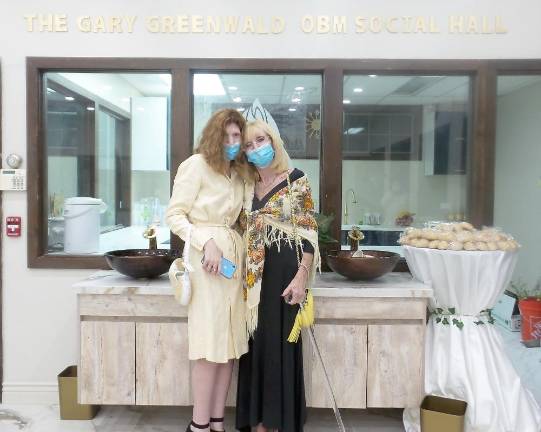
(292, 109)
(299, 88)
(237, 99)
(346, 101)
(358, 90)
(207, 85)
(372, 76)
(241, 109)
(69, 98)
(296, 99)
(233, 88)
(90, 108)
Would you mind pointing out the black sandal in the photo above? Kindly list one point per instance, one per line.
(197, 426)
(216, 420)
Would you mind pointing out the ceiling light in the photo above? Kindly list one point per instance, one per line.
(292, 109)
(299, 88)
(207, 85)
(296, 99)
(90, 108)
(233, 88)
(372, 76)
(346, 101)
(354, 131)
(358, 90)
(237, 99)
(50, 90)
(69, 98)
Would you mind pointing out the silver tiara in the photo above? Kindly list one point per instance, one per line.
(257, 112)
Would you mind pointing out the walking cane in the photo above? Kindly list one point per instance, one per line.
(341, 427)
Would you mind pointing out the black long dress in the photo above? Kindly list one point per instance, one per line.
(271, 381)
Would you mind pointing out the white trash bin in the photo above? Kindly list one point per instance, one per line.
(82, 225)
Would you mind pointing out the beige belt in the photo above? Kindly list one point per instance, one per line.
(231, 232)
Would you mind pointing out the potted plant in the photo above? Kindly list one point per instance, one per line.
(326, 242)
(529, 304)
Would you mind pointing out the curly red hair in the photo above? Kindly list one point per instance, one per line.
(212, 137)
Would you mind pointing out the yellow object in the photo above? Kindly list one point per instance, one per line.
(67, 394)
(304, 318)
(439, 414)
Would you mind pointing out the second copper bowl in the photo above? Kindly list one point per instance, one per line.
(373, 265)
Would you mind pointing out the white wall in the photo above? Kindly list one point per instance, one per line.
(39, 306)
(517, 206)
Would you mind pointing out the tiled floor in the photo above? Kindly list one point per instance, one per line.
(31, 418)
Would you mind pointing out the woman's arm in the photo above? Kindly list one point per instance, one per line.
(185, 190)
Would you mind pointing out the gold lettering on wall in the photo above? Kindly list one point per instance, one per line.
(46, 22)
(267, 25)
(470, 24)
(101, 24)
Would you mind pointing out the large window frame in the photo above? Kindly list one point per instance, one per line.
(481, 151)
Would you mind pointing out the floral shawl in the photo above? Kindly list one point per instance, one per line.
(275, 222)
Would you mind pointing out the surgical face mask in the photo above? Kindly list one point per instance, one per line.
(262, 156)
(231, 151)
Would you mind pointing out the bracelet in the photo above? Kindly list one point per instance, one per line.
(301, 265)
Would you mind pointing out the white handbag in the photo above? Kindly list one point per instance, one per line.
(179, 273)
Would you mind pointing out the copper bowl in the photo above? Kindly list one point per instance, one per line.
(141, 263)
(373, 265)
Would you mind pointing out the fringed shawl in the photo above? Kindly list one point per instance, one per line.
(289, 210)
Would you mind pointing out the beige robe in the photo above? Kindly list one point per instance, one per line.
(211, 202)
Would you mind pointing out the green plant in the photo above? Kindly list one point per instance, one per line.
(521, 289)
(324, 227)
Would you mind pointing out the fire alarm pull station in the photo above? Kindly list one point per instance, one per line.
(13, 226)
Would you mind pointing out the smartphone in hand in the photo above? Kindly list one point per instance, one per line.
(227, 268)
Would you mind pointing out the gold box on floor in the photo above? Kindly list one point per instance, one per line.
(67, 394)
(439, 414)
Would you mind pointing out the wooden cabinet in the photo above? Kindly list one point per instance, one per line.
(162, 374)
(107, 363)
(343, 348)
(396, 368)
(134, 351)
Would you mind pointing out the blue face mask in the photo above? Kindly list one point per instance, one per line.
(261, 157)
(231, 151)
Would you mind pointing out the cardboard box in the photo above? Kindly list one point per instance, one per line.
(67, 393)
(506, 312)
(440, 414)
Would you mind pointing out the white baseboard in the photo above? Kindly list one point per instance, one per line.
(29, 393)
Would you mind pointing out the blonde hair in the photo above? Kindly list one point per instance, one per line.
(212, 137)
(280, 163)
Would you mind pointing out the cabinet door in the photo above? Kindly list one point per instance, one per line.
(107, 363)
(163, 368)
(395, 365)
(343, 348)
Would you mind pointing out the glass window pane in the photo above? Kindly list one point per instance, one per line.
(517, 200)
(292, 100)
(107, 138)
(417, 139)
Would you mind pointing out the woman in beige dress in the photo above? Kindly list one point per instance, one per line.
(207, 198)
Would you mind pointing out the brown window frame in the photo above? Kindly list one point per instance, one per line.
(481, 158)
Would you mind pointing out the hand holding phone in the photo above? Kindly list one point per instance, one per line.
(227, 268)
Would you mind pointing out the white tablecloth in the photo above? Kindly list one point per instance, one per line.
(464, 356)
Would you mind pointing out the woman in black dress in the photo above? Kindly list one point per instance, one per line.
(281, 240)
